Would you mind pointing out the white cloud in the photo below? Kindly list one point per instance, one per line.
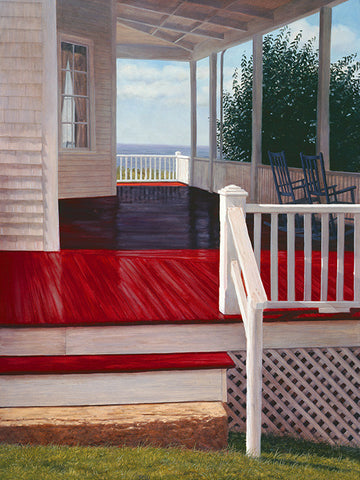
(168, 84)
(344, 41)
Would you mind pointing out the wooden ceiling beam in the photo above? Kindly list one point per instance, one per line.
(151, 52)
(214, 19)
(128, 20)
(251, 10)
(235, 6)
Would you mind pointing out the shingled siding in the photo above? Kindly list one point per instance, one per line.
(92, 173)
(21, 60)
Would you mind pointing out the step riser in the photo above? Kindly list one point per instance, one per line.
(136, 339)
(112, 388)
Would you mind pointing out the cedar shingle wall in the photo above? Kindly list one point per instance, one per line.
(21, 195)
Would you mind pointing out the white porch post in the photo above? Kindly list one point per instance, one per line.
(323, 116)
(254, 352)
(50, 128)
(230, 196)
(212, 121)
(256, 116)
(193, 118)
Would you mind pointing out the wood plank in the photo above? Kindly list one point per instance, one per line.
(312, 334)
(32, 341)
(127, 339)
(274, 273)
(110, 389)
(291, 257)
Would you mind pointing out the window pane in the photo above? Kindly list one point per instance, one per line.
(68, 110)
(80, 58)
(66, 55)
(81, 136)
(80, 84)
(80, 109)
(67, 87)
(67, 135)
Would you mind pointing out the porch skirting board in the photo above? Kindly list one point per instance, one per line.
(202, 425)
(112, 388)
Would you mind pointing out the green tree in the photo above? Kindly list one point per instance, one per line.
(290, 83)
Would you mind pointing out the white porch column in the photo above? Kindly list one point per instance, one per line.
(193, 118)
(212, 119)
(50, 128)
(256, 116)
(323, 116)
(230, 196)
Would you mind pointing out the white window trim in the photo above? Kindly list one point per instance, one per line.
(64, 37)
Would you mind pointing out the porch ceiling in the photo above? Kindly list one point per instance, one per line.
(192, 29)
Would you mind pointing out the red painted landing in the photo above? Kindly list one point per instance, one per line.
(113, 363)
(83, 287)
(108, 287)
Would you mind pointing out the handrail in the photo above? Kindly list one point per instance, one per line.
(252, 299)
(255, 292)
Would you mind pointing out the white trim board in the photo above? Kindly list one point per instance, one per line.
(145, 339)
(112, 388)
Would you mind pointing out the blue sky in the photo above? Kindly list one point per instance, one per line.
(153, 98)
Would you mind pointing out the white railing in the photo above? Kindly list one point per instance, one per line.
(241, 286)
(322, 223)
(146, 168)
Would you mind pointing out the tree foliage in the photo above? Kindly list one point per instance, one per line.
(290, 84)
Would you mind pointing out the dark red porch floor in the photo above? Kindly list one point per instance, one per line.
(106, 287)
(142, 217)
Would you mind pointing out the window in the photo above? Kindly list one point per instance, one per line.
(75, 97)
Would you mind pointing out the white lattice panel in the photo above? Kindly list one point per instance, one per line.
(312, 393)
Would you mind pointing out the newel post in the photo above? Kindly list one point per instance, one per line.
(230, 196)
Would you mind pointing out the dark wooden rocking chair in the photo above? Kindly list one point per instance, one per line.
(316, 186)
(285, 188)
(319, 191)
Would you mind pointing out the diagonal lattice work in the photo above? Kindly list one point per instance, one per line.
(312, 393)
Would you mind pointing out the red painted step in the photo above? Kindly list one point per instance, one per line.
(113, 363)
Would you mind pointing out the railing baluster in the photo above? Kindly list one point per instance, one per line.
(307, 256)
(340, 256)
(274, 257)
(357, 257)
(127, 169)
(257, 238)
(290, 256)
(324, 256)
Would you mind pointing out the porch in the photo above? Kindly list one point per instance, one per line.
(157, 308)
(154, 315)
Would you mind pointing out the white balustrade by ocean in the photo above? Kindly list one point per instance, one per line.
(241, 288)
(147, 168)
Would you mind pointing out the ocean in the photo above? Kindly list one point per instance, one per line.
(133, 149)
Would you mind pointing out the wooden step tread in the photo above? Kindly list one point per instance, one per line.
(65, 364)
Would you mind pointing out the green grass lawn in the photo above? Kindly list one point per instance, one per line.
(282, 458)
